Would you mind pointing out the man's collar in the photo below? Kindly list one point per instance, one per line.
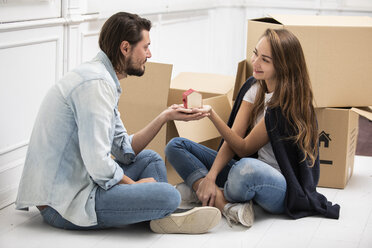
(107, 63)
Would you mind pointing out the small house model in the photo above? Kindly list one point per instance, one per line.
(192, 99)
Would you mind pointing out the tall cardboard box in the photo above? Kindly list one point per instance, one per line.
(337, 51)
(144, 98)
(338, 133)
(217, 91)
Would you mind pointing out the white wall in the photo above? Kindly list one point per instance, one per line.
(41, 40)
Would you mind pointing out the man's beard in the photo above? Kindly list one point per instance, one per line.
(132, 71)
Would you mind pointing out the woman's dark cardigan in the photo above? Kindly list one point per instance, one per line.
(302, 199)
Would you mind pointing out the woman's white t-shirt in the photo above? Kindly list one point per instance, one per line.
(265, 153)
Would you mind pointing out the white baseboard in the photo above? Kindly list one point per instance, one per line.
(11, 166)
(8, 196)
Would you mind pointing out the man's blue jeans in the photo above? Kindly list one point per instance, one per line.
(126, 204)
(243, 180)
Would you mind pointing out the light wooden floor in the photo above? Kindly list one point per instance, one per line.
(353, 229)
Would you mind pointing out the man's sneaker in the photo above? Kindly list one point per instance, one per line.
(239, 213)
(188, 195)
(194, 221)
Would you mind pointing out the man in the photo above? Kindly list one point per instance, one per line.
(70, 173)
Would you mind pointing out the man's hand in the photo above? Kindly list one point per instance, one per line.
(207, 192)
(146, 180)
(179, 113)
(128, 180)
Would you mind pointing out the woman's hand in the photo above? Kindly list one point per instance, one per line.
(205, 109)
(207, 192)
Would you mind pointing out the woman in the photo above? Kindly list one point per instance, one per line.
(273, 120)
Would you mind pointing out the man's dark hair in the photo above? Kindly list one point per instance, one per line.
(121, 27)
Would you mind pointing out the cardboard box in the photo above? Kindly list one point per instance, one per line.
(209, 85)
(338, 54)
(338, 133)
(217, 91)
(243, 72)
(144, 98)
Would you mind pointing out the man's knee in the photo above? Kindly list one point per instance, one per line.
(169, 196)
(149, 153)
(151, 156)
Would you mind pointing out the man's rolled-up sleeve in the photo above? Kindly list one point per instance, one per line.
(121, 146)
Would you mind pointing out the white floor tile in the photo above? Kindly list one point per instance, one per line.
(10, 218)
(181, 241)
(325, 243)
(133, 236)
(290, 233)
(34, 233)
(339, 232)
(329, 193)
(366, 240)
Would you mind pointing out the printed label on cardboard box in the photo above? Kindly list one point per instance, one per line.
(324, 141)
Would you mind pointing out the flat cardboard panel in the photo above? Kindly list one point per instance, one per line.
(338, 131)
(143, 98)
(256, 28)
(209, 85)
(243, 72)
(365, 112)
(324, 21)
(339, 72)
(353, 131)
(337, 52)
(173, 177)
(203, 82)
(175, 95)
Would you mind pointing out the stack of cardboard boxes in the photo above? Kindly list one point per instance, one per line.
(339, 58)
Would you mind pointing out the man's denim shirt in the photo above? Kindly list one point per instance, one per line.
(77, 129)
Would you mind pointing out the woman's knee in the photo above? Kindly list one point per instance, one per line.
(173, 144)
(175, 150)
(242, 170)
(250, 169)
(240, 179)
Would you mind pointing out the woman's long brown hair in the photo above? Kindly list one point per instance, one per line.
(293, 93)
